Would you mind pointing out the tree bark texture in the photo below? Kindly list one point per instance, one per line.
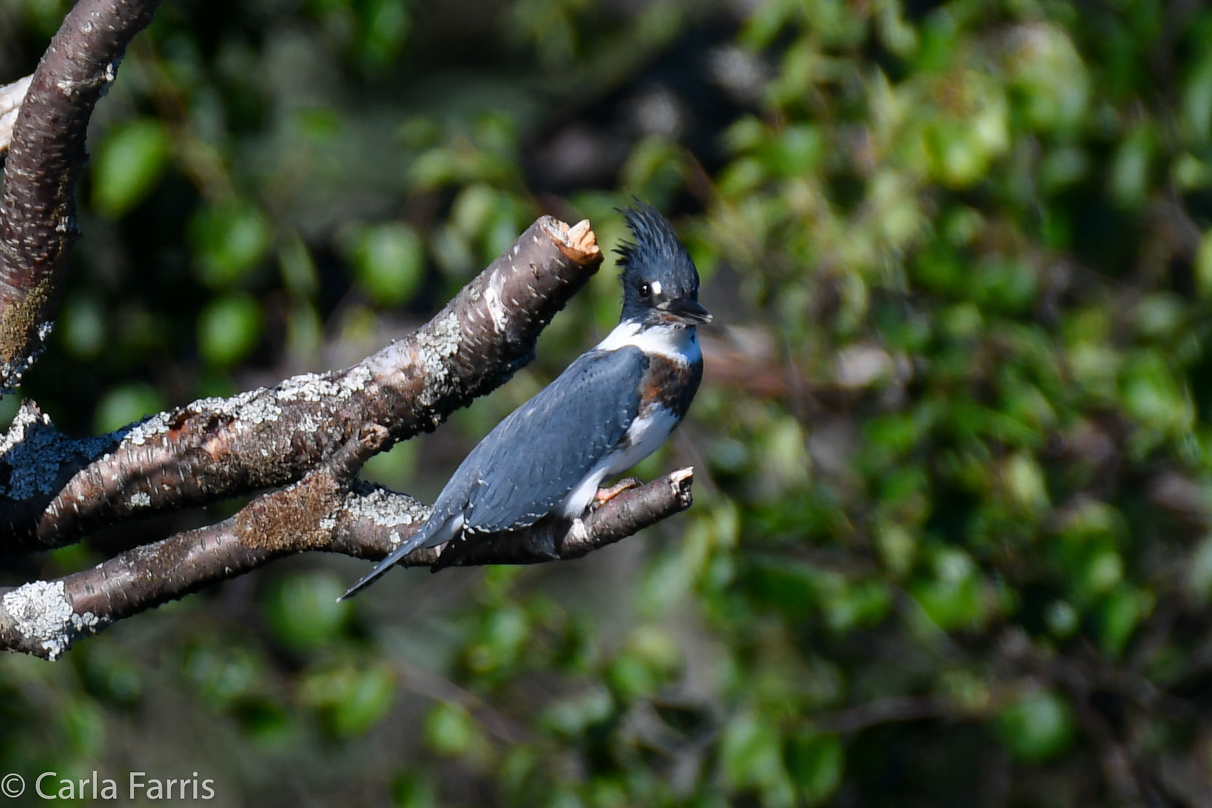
(54, 490)
(310, 434)
(298, 445)
(46, 155)
(321, 512)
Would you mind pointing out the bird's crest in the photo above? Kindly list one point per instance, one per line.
(655, 238)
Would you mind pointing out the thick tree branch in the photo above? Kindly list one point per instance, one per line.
(310, 433)
(46, 155)
(54, 490)
(45, 617)
(320, 512)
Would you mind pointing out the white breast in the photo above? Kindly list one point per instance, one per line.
(679, 343)
(644, 436)
(646, 433)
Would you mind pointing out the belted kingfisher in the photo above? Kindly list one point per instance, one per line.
(612, 407)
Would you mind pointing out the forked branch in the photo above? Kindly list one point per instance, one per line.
(300, 442)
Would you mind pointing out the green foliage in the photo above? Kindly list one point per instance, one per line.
(450, 731)
(815, 764)
(228, 329)
(129, 163)
(229, 239)
(388, 261)
(350, 699)
(303, 610)
(1037, 727)
(126, 404)
(953, 464)
(82, 323)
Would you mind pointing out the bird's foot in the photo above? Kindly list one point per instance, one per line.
(604, 495)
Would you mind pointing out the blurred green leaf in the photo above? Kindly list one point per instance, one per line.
(1037, 727)
(1153, 395)
(1119, 614)
(1197, 101)
(1199, 571)
(225, 676)
(303, 610)
(1203, 265)
(350, 698)
(449, 730)
(229, 329)
(83, 326)
(954, 595)
(124, 405)
(388, 261)
(1049, 78)
(1130, 172)
(128, 165)
(414, 791)
(815, 763)
(298, 269)
(750, 753)
(229, 239)
(387, 23)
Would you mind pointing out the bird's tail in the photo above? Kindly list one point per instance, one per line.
(414, 541)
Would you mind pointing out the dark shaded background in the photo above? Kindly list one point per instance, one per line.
(951, 545)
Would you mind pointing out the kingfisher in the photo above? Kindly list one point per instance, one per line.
(612, 407)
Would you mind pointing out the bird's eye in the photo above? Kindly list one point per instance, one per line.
(645, 290)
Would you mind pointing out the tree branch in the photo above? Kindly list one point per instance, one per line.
(310, 433)
(375, 522)
(46, 155)
(321, 512)
(54, 490)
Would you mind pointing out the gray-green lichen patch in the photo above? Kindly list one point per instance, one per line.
(250, 408)
(146, 430)
(319, 387)
(41, 614)
(436, 346)
(254, 407)
(386, 508)
(26, 416)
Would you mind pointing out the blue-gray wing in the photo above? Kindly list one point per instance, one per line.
(523, 469)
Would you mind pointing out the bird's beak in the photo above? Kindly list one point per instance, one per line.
(687, 311)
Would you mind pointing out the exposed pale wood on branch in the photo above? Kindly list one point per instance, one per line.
(11, 96)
